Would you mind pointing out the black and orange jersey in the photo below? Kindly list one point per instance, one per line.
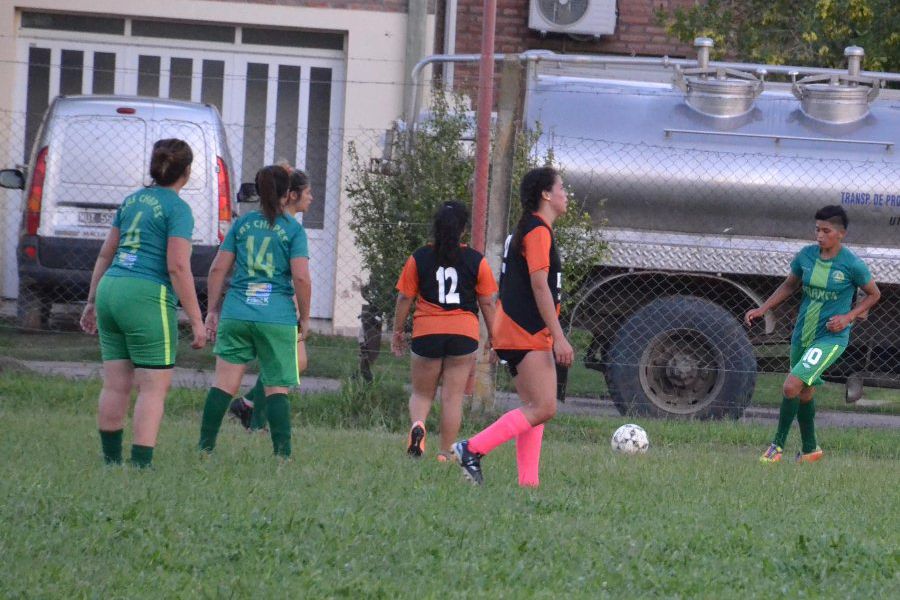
(447, 295)
(518, 324)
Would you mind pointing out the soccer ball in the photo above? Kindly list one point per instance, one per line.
(630, 439)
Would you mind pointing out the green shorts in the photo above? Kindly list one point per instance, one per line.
(137, 321)
(808, 364)
(275, 344)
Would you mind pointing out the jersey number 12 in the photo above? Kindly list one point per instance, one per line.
(445, 274)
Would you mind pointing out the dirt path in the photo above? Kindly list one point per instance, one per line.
(199, 379)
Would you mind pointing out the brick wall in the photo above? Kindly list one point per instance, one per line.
(376, 5)
(636, 31)
(636, 34)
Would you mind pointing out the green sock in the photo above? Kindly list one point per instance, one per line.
(257, 393)
(806, 418)
(785, 420)
(217, 402)
(111, 442)
(141, 456)
(258, 418)
(279, 411)
(258, 396)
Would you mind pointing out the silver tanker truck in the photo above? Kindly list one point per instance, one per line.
(706, 177)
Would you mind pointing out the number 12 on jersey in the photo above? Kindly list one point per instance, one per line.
(445, 274)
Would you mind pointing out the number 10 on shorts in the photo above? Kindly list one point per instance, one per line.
(812, 357)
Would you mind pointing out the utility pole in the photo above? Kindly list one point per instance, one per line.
(483, 135)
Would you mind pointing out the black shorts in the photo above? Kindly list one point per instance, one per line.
(512, 358)
(443, 344)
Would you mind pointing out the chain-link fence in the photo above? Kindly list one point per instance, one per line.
(88, 157)
(694, 240)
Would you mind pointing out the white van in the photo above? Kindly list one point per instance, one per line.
(91, 152)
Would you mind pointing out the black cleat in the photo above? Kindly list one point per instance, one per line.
(415, 446)
(470, 462)
(240, 411)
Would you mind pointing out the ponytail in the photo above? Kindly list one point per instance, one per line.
(271, 185)
(450, 222)
(534, 183)
(170, 159)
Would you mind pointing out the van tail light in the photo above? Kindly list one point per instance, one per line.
(36, 193)
(224, 198)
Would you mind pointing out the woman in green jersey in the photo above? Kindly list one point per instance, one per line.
(265, 310)
(142, 271)
(250, 409)
(829, 274)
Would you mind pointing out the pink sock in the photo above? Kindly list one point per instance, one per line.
(500, 431)
(528, 455)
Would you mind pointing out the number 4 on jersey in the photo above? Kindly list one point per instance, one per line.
(132, 237)
(260, 260)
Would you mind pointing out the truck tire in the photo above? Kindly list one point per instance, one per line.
(681, 356)
(32, 309)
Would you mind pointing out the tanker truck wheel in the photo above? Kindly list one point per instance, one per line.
(681, 356)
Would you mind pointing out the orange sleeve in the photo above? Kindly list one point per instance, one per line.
(408, 284)
(536, 248)
(486, 285)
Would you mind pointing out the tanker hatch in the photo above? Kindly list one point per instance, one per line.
(842, 98)
(717, 91)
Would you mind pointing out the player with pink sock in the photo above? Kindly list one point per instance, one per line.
(527, 334)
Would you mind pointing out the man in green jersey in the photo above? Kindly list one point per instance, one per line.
(829, 275)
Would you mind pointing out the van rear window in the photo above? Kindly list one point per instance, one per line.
(103, 151)
(196, 139)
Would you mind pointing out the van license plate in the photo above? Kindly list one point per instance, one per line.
(93, 218)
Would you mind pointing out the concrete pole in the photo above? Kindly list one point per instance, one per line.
(416, 36)
(483, 135)
(509, 118)
(449, 40)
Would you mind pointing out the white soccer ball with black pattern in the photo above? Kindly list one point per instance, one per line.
(630, 439)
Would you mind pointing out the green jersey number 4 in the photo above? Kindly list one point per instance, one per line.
(132, 238)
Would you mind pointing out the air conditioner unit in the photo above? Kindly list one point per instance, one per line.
(585, 17)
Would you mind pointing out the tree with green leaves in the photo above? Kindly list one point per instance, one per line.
(393, 202)
(804, 32)
(392, 205)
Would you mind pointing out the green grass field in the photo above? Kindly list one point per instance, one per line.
(351, 516)
(336, 357)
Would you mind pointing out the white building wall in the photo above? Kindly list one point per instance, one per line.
(373, 95)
